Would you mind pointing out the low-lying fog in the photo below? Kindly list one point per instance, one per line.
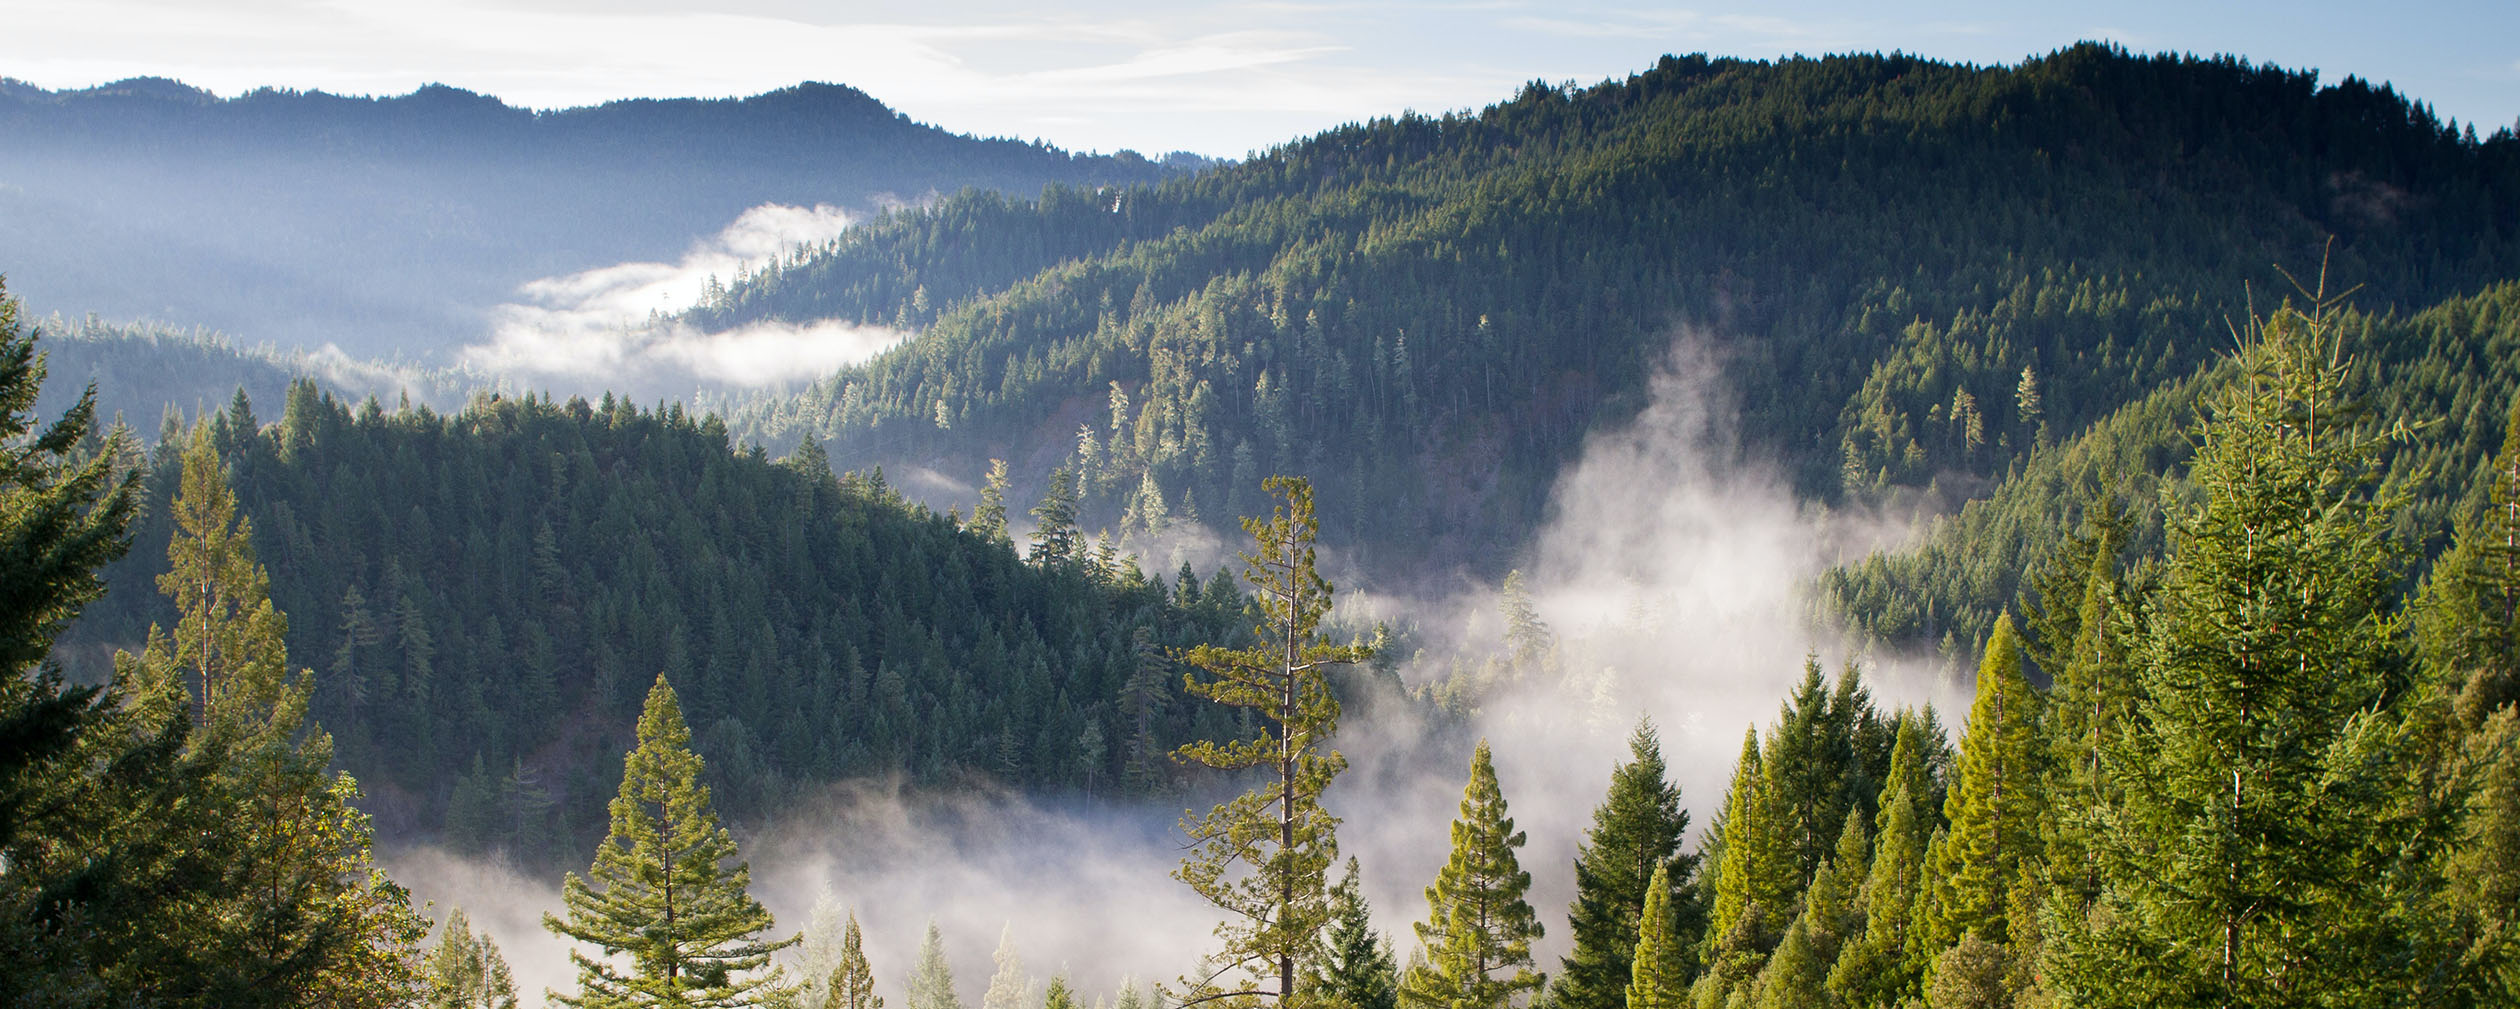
(1671, 575)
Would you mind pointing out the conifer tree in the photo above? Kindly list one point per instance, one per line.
(1994, 810)
(2271, 847)
(2469, 617)
(1356, 970)
(310, 920)
(932, 982)
(1754, 880)
(1660, 966)
(1636, 833)
(851, 984)
(1885, 965)
(666, 889)
(1478, 926)
(1278, 832)
(1008, 985)
(1797, 975)
(465, 971)
(988, 518)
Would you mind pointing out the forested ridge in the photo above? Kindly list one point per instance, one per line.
(1915, 271)
(485, 595)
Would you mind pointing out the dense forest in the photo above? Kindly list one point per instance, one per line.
(1914, 273)
(2211, 375)
(389, 224)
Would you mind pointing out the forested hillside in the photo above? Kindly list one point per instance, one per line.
(140, 371)
(486, 595)
(1915, 272)
(389, 224)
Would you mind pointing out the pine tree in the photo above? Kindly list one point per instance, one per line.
(1056, 540)
(1994, 810)
(1356, 969)
(1478, 926)
(1754, 878)
(1009, 987)
(1635, 834)
(1058, 996)
(2468, 620)
(661, 888)
(988, 519)
(310, 921)
(932, 982)
(1279, 831)
(2271, 846)
(465, 971)
(851, 984)
(1664, 960)
(1885, 965)
(1831, 915)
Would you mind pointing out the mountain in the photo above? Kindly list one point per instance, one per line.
(391, 224)
(1912, 272)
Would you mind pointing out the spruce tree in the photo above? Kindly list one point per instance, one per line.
(1009, 986)
(1278, 832)
(2468, 620)
(932, 981)
(1635, 835)
(465, 971)
(1664, 958)
(1831, 915)
(2272, 846)
(1356, 969)
(666, 889)
(1995, 809)
(851, 984)
(1478, 926)
(1886, 964)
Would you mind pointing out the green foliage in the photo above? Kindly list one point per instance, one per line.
(1478, 929)
(504, 582)
(661, 889)
(1663, 960)
(851, 984)
(465, 971)
(1886, 963)
(1356, 969)
(1635, 837)
(1996, 807)
(1277, 833)
(1430, 313)
(2271, 846)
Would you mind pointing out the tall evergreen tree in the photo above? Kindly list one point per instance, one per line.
(851, 983)
(1831, 914)
(1356, 969)
(1009, 986)
(1753, 881)
(2271, 847)
(1278, 831)
(465, 971)
(662, 889)
(1635, 835)
(1478, 929)
(932, 981)
(1886, 964)
(1994, 810)
(2469, 618)
(1665, 958)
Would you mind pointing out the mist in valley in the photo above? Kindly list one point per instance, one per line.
(1671, 577)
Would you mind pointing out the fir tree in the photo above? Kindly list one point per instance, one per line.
(1635, 834)
(1664, 958)
(1058, 996)
(1885, 965)
(1797, 975)
(465, 971)
(1478, 930)
(1754, 879)
(1995, 809)
(662, 889)
(2469, 617)
(2271, 846)
(932, 982)
(851, 983)
(1008, 985)
(1279, 831)
(988, 519)
(1356, 969)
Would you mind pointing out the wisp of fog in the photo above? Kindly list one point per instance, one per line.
(1672, 575)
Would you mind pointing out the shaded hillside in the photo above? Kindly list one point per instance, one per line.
(486, 595)
(1911, 270)
(2450, 372)
(387, 224)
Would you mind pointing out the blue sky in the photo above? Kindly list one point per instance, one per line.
(1219, 79)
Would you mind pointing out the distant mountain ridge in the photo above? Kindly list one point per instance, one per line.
(389, 224)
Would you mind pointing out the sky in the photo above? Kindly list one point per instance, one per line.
(1220, 79)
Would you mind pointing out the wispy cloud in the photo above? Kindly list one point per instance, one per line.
(610, 327)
